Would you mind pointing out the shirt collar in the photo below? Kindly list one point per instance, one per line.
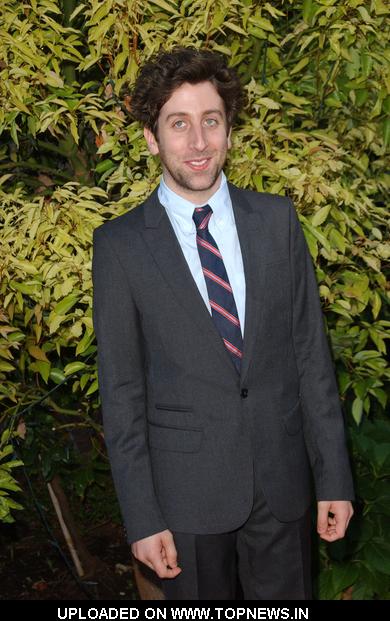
(182, 210)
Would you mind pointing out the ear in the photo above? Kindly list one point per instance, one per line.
(229, 138)
(151, 141)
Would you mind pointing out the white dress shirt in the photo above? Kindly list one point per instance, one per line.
(222, 227)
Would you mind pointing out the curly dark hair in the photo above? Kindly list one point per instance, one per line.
(166, 71)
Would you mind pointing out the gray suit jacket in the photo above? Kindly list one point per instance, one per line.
(188, 438)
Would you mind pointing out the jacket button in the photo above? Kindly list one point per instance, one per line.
(244, 393)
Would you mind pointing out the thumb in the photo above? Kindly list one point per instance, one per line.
(170, 550)
(322, 516)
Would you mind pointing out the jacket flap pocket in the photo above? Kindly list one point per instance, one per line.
(174, 439)
(170, 416)
(173, 407)
(293, 419)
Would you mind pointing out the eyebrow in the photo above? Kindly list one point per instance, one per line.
(214, 111)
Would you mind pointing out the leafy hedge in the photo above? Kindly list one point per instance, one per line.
(316, 127)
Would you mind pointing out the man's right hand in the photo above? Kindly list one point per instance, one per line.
(159, 553)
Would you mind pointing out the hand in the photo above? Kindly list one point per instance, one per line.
(159, 553)
(332, 528)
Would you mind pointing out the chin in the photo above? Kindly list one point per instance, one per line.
(202, 183)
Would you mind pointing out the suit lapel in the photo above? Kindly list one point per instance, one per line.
(249, 231)
(166, 250)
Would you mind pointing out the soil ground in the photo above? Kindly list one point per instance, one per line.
(31, 567)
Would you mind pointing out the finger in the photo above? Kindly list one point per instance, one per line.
(170, 551)
(322, 518)
(162, 570)
(330, 537)
(336, 531)
(340, 529)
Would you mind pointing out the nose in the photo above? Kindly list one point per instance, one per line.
(198, 137)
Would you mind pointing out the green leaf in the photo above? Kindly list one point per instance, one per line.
(343, 576)
(104, 165)
(235, 28)
(85, 342)
(377, 554)
(5, 436)
(56, 375)
(12, 504)
(357, 410)
(307, 10)
(381, 395)
(376, 303)
(262, 23)
(72, 367)
(386, 131)
(321, 215)
(165, 6)
(84, 379)
(6, 366)
(360, 389)
(368, 354)
(28, 288)
(93, 388)
(77, 10)
(9, 485)
(74, 130)
(66, 304)
(300, 65)
(344, 381)
(337, 240)
(378, 340)
(312, 244)
(269, 103)
(52, 79)
(43, 369)
(355, 284)
(364, 14)
(5, 451)
(36, 352)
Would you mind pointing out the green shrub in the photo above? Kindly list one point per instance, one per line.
(316, 127)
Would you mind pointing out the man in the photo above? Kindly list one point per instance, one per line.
(215, 375)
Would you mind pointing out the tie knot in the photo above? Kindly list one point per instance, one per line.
(201, 216)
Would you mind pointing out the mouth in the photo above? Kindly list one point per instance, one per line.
(198, 164)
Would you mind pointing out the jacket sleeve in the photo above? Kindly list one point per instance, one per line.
(121, 374)
(323, 420)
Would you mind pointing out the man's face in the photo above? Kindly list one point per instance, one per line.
(192, 141)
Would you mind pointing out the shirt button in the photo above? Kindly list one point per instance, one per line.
(244, 393)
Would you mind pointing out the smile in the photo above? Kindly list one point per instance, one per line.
(198, 164)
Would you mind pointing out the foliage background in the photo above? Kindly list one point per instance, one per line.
(316, 127)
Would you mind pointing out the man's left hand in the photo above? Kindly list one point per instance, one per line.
(333, 527)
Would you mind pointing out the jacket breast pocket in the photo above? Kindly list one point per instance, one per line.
(174, 439)
(293, 419)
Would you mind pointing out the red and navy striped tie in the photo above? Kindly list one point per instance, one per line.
(223, 306)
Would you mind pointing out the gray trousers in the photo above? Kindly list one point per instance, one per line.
(268, 558)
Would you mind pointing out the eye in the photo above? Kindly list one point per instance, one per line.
(179, 124)
(211, 122)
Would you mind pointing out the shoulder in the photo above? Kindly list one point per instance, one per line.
(273, 210)
(259, 200)
(126, 223)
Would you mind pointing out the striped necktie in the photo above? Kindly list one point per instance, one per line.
(223, 306)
